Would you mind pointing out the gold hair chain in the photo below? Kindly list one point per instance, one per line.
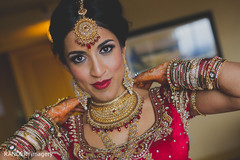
(85, 29)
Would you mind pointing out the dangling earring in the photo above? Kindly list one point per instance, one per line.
(128, 80)
(81, 95)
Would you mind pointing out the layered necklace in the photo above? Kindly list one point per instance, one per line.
(116, 113)
(125, 111)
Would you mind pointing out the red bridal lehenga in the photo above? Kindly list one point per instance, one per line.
(166, 139)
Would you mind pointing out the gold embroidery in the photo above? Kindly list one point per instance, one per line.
(76, 149)
(58, 147)
(160, 129)
(164, 130)
(148, 156)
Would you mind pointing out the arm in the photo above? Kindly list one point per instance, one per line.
(32, 138)
(227, 97)
(224, 99)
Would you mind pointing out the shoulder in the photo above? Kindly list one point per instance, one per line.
(142, 92)
(151, 93)
(145, 97)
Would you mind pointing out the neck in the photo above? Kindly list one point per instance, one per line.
(109, 102)
(116, 113)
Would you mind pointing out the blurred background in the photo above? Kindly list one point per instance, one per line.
(30, 76)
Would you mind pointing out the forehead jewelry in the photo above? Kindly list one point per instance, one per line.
(85, 29)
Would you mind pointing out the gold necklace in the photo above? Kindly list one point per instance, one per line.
(115, 114)
(110, 102)
(131, 144)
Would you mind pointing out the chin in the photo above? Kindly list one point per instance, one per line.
(100, 99)
(104, 96)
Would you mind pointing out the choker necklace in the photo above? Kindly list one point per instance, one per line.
(110, 102)
(114, 114)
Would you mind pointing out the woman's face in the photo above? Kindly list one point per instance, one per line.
(99, 70)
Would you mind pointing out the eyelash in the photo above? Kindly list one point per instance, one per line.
(109, 47)
(75, 59)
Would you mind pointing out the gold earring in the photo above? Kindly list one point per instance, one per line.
(81, 95)
(128, 80)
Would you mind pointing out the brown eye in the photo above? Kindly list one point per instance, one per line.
(78, 59)
(106, 49)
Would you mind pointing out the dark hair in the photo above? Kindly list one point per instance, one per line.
(106, 13)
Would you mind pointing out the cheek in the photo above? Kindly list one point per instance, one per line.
(80, 75)
(117, 64)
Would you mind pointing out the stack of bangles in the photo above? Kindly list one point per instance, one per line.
(195, 74)
(32, 137)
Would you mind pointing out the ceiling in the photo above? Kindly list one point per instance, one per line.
(19, 16)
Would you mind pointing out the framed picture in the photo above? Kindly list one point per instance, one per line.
(189, 37)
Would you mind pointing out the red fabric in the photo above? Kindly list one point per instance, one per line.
(174, 145)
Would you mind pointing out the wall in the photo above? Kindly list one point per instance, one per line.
(11, 111)
(226, 12)
(41, 79)
(215, 136)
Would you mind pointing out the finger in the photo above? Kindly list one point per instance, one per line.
(163, 79)
(78, 110)
(149, 75)
(147, 85)
(141, 77)
(79, 106)
(63, 107)
(139, 84)
(70, 104)
(143, 85)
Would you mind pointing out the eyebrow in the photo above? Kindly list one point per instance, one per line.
(99, 46)
(75, 52)
(103, 43)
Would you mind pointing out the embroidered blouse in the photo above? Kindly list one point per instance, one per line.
(166, 139)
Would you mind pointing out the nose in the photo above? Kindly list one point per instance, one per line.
(98, 68)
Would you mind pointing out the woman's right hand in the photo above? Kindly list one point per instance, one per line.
(62, 110)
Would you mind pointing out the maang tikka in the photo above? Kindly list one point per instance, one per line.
(81, 95)
(128, 79)
(85, 29)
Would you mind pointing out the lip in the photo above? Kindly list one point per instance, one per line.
(102, 84)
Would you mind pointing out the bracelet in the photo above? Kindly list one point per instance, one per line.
(195, 74)
(193, 100)
(218, 74)
(169, 76)
(32, 137)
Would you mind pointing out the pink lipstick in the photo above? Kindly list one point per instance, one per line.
(102, 84)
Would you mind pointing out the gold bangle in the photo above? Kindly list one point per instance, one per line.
(208, 79)
(218, 74)
(170, 82)
(193, 100)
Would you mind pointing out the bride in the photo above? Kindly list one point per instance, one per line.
(111, 118)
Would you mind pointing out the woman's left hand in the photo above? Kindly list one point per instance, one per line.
(157, 74)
